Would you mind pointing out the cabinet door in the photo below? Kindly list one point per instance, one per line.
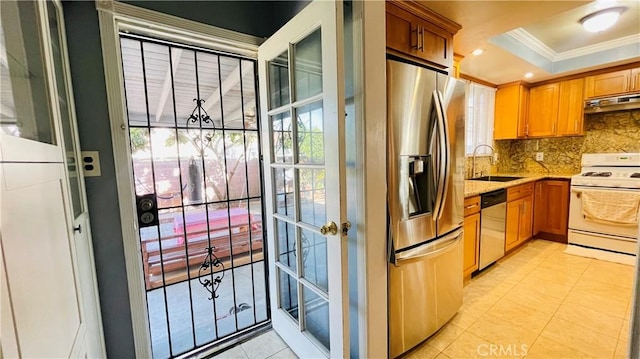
(539, 208)
(434, 44)
(635, 80)
(570, 106)
(557, 211)
(471, 237)
(402, 35)
(607, 84)
(513, 224)
(526, 219)
(510, 113)
(543, 110)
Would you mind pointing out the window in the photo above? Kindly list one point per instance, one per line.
(479, 114)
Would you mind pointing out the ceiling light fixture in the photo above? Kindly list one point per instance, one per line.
(528, 75)
(601, 20)
(477, 52)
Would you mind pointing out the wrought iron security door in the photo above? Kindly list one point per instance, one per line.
(195, 151)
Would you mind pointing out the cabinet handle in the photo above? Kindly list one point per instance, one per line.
(417, 31)
(526, 129)
(553, 128)
(471, 206)
(626, 84)
(421, 38)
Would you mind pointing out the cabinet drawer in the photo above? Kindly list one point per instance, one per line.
(471, 205)
(519, 191)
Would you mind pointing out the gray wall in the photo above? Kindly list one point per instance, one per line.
(259, 18)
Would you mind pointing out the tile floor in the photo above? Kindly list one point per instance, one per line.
(267, 345)
(536, 303)
(540, 303)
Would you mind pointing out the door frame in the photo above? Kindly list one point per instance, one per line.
(115, 17)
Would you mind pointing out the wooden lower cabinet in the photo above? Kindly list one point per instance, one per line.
(525, 231)
(513, 224)
(552, 209)
(519, 226)
(471, 243)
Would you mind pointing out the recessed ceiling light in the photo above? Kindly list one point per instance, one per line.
(477, 52)
(601, 20)
(528, 75)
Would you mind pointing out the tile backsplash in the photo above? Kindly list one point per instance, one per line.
(604, 133)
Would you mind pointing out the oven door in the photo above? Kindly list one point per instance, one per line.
(578, 222)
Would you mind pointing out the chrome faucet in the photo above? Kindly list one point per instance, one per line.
(473, 166)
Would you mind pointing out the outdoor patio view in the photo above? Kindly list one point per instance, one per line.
(195, 147)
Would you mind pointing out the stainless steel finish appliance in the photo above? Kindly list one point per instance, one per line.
(425, 169)
(613, 176)
(493, 227)
(609, 104)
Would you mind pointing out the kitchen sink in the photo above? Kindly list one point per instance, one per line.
(496, 178)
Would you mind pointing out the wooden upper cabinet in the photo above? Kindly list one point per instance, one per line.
(401, 33)
(570, 108)
(543, 110)
(420, 34)
(457, 58)
(611, 83)
(635, 80)
(510, 116)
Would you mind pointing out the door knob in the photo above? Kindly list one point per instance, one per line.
(329, 228)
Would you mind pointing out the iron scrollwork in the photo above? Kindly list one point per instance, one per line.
(199, 116)
(211, 262)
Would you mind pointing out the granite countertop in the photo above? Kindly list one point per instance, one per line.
(474, 188)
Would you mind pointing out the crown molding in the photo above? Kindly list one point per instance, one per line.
(545, 51)
(603, 46)
(533, 43)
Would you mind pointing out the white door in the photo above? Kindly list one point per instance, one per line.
(42, 194)
(86, 280)
(301, 72)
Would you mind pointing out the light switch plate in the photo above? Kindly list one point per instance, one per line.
(540, 156)
(91, 163)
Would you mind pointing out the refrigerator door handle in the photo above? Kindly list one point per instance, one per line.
(443, 149)
(447, 153)
(451, 239)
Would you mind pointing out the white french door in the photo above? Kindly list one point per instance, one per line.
(302, 108)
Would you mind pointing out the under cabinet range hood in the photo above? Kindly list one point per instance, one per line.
(609, 104)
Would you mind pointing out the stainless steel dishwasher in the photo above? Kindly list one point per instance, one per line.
(492, 227)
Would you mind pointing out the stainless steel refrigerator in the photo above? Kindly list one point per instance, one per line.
(425, 179)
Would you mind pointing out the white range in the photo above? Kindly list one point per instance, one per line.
(604, 204)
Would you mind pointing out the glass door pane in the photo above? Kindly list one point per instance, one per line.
(26, 110)
(68, 125)
(299, 185)
(301, 65)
